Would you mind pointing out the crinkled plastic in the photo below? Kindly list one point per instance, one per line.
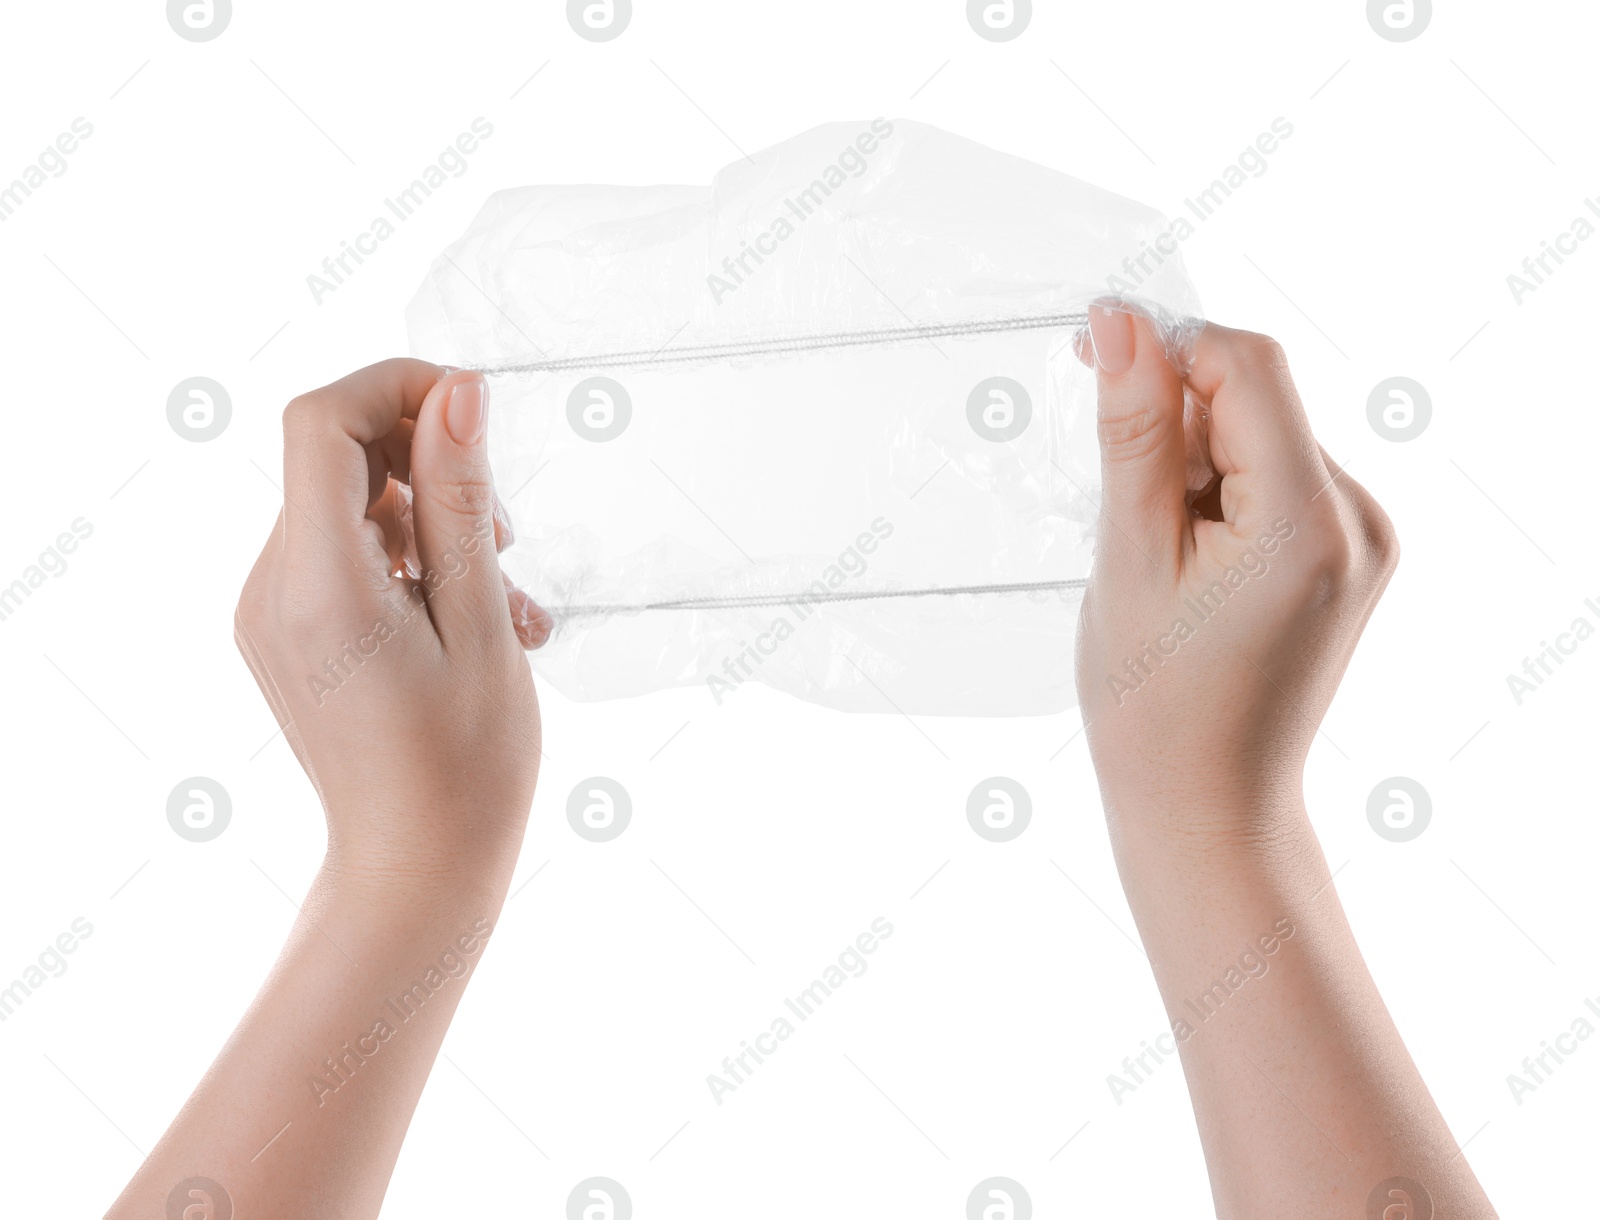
(820, 425)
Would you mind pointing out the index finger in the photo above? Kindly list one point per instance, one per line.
(326, 478)
(1260, 438)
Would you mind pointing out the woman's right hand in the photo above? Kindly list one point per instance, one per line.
(406, 698)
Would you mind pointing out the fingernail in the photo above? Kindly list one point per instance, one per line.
(464, 413)
(1082, 346)
(1112, 333)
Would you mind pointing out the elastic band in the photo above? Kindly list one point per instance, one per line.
(757, 347)
(809, 598)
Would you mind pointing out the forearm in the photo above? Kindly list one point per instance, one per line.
(304, 1110)
(1304, 1093)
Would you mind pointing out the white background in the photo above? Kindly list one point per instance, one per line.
(1377, 243)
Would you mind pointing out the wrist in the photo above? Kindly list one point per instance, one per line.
(390, 883)
(1210, 814)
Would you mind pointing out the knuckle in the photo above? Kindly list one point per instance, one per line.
(300, 416)
(1351, 553)
(1133, 435)
(1333, 559)
(1328, 559)
(248, 613)
(1376, 538)
(470, 498)
(1248, 352)
(1383, 541)
(252, 612)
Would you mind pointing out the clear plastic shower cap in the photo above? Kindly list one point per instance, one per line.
(820, 425)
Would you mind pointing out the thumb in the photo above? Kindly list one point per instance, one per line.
(1142, 454)
(453, 510)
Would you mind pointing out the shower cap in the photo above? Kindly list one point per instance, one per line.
(821, 425)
